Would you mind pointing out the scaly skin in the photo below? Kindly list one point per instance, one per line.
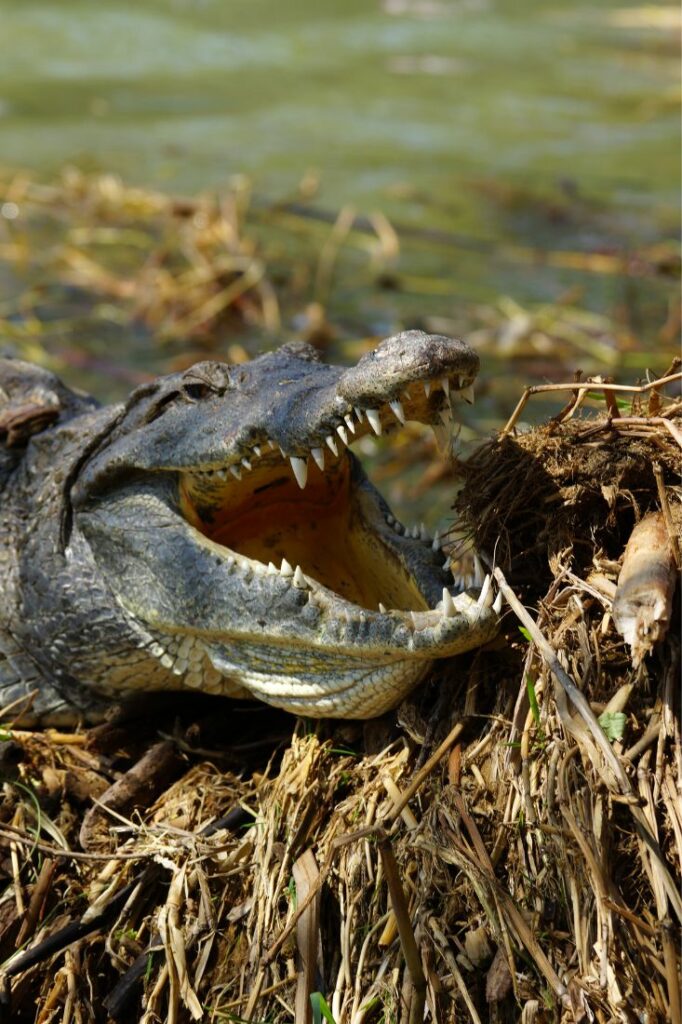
(214, 533)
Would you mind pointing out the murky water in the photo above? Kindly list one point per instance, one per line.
(495, 132)
(379, 98)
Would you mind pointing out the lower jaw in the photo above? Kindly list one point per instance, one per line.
(355, 690)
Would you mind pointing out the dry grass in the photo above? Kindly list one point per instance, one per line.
(178, 268)
(486, 854)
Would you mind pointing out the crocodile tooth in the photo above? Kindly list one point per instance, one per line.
(257, 450)
(299, 579)
(427, 387)
(390, 520)
(221, 474)
(236, 472)
(341, 431)
(349, 422)
(415, 532)
(246, 464)
(300, 468)
(374, 420)
(358, 412)
(446, 564)
(382, 608)
(157, 650)
(331, 442)
(443, 436)
(479, 574)
(272, 569)
(445, 384)
(467, 394)
(397, 409)
(485, 598)
(229, 562)
(195, 679)
(449, 610)
(497, 603)
(424, 534)
(398, 527)
(166, 660)
(286, 569)
(435, 543)
(318, 456)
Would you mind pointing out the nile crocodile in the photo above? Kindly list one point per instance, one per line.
(215, 533)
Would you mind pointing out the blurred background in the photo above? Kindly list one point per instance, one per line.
(183, 178)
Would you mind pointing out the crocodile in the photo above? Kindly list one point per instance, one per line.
(215, 533)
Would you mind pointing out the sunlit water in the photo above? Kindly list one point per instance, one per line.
(425, 93)
(501, 124)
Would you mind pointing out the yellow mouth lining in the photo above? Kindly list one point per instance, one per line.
(303, 509)
(323, 529)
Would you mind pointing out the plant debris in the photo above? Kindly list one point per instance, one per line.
(507, 846)
(642, 605)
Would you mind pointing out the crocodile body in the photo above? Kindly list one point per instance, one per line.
(215, 533)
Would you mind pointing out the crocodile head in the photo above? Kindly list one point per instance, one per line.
(235, 526)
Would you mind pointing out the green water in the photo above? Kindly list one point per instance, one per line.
(497, 123)
(430, 94)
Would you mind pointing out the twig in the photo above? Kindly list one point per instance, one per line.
(572, 691)
(588, 385)
(667, 517)
(424, 772)
(76, 929)
(36, 902)
(405, 931)
(18, 836)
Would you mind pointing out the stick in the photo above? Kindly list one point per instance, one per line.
(588, 385)
(402, 916)
(425, 771)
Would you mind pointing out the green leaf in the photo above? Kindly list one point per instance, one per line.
(524, 633)
(613, 724)
(321, 1009)
(532, 699)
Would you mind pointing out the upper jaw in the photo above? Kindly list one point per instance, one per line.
(283, 403)
(332, 426)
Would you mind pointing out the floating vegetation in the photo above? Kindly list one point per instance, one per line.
(178, 267)
(118, 283)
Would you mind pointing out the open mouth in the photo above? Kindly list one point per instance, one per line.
(239, 532)
(312, 516)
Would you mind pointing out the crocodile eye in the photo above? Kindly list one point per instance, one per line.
(196, 390)
(204, 379)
